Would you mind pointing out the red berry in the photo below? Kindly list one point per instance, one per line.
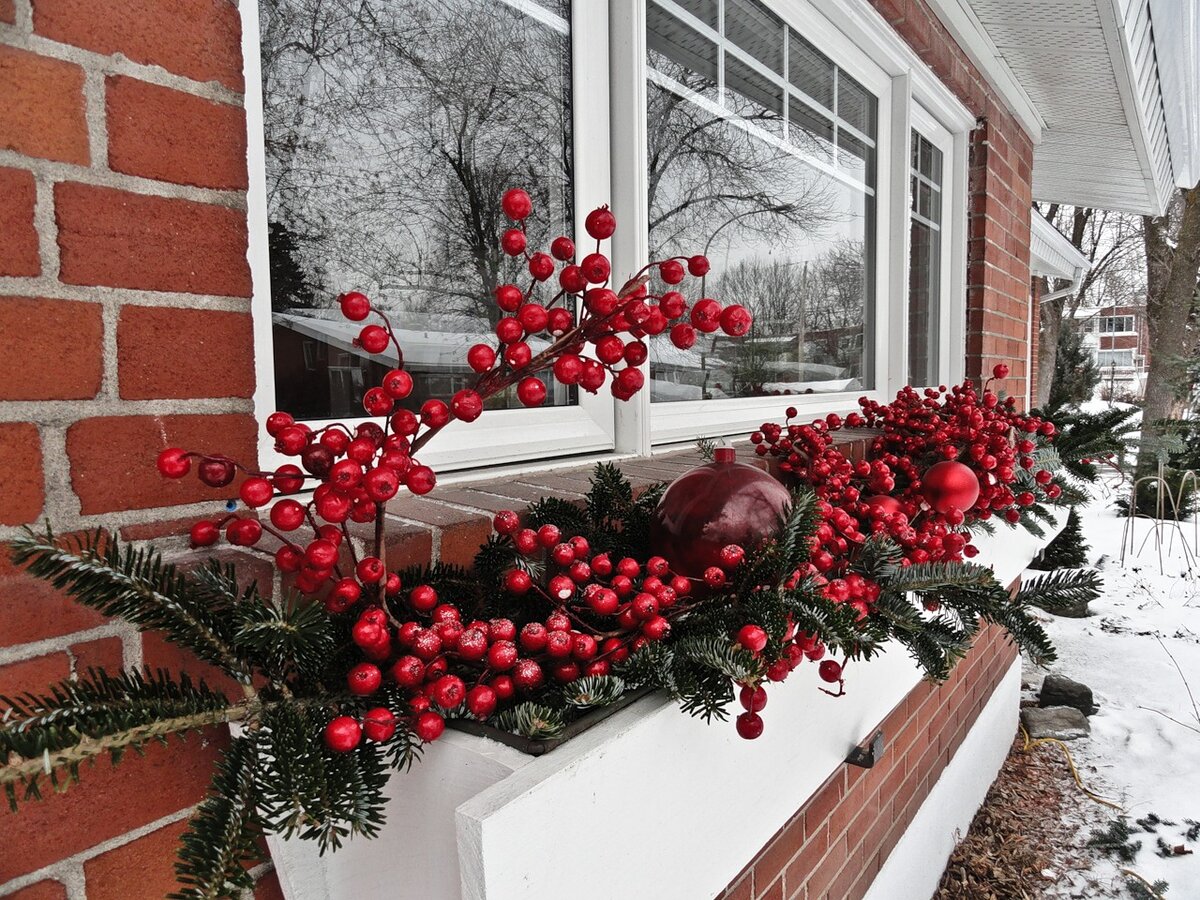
(531, 391)
(364, 679)
(288, 479)
(509, 330)
(174, 463)
(706, 316)
(749, 725)
(753, 699)
(533, 317)
(533, 637)
(355, 306)
(671, 271)
(1000, 370)
(502, 630)
(572, 280)
(448, 692)
(830, 670)
(481, 357)
(527, 674)
(600, 302)
(752, 637)
(373, 339)
(512, 242)
(381, 484)
(420, 479)
(277, 421)
(541, 266)
(517, 355)
(423, 598)
(714, 577)
(343, 734)
(435, 413)
(287, 515)
(736, 321)
(429, 726)
(204, 534)
(397, 384)
(506, 522)
(509, 297)
(683, 336)
(243, 532)
(379, 724)
(502, 655)
(559, 321)
(408, 671)
(595, 268)
(369, 570)
(698, 266)
(600, 223)
(467, 405)
(517, 581)
(568, 368)
(516, 204)
(481, 701)
(562, 248)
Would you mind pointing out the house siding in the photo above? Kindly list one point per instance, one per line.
(124, 328)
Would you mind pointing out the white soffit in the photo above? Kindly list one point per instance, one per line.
(1051, 253)
(1087, 72)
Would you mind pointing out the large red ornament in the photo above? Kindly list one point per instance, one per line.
(710, 507)
(950, 485)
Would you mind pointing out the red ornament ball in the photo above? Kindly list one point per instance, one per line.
(950, 485)
(710, 507)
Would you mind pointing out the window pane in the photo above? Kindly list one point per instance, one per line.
(786, 240)
(392, 129)
(809, 130)
(679, 52)
(753, 97)
(856, 105)
(810, 70)
(704, 10)
(750, 26)
(925, 264)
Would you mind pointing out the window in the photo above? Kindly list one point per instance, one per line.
(760, 135)
(1116, 324)
(1121, 359)
(761, 154)
(925, 261)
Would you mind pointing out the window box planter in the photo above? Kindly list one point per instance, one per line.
(644, 802)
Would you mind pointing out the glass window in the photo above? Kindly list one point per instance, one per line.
(925, 261)
(786, 215)
(1116, 324)
(1114, 358)
(391, 128)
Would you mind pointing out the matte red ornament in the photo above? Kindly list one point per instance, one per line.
(950, 485)
(712, 506)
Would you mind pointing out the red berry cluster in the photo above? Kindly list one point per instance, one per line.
(797, 647)
(941, 457)
(354, 471)
(597, 612)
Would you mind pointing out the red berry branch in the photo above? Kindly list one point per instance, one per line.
(353, 472)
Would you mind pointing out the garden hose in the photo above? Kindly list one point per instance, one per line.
(1030, 742)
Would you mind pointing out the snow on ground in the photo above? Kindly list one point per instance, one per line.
(1140, 654)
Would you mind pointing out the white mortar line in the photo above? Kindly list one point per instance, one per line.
(55, 290)
(61, 504)
(134, 184)
(70, 870)
(47, 227)
(67, 412)
(97, 119)
(62, 643)
(110, 313)
(117, 64)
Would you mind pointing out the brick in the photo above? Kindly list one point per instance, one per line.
(169, 135)
(19, 249)
(42, 890)
(774, 891)
(159, 653)
(41, 107)
(462, 531)
(143, 869)
(21, 479)
(120, 239)
(112, 458)
(267, 887)
(139, 790)
(199, 39)
(8, 13)
(33, 674)
(105, 653)
(779, 851)
(50, 349)
(741, 889)
(219, 361)
(32, 610)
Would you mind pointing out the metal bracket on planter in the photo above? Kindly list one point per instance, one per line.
(867, 753)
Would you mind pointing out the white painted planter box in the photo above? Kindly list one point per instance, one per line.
(640, 805)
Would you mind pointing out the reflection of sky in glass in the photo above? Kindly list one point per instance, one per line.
(788, 236)
(393, 127)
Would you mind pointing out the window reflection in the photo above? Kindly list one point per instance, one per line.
(392, 128)
(773, 177)
(925, 261)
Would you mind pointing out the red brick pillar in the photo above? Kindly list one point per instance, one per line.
(124, 327)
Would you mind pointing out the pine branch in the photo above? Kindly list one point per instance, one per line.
(594, 691)
(137, 586)
(51, 735)
(535, 721)
(220, 840)
(295, 635)
(1060, 589)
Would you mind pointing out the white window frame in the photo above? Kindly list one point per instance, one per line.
(924, 124)
(609, 70)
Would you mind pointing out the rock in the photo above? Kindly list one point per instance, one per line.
(1062, 722)
(1058, 690)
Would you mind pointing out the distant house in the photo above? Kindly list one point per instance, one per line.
(1119, 341)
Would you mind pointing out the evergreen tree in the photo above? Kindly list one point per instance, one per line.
(1075, 372)
(1068, 550)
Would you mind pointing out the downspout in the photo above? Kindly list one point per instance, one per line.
(1076, 277)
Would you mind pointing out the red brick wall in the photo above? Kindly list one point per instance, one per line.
(834, 845)
(124, 327)
(1000, 185)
